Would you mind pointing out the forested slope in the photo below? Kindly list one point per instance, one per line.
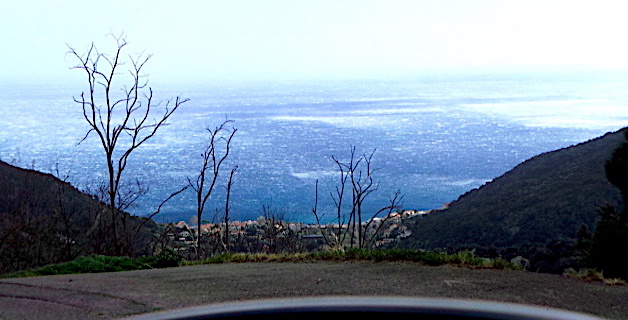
(45, 220)
(542, 200)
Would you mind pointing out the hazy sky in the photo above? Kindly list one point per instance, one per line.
(199, 39)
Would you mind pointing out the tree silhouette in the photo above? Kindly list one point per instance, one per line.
(617, 172)
(609, 249)
(361, 228)
(216, 152)
(120, 109)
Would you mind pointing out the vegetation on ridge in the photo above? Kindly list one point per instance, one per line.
(169, 258)
(607, 248)
(535, 210)
(45, 220)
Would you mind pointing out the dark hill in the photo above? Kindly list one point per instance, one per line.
(544, 199)
(45, 220)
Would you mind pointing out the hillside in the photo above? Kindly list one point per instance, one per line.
(45, 220)
(543, 201)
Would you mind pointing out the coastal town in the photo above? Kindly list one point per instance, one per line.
(271, 236)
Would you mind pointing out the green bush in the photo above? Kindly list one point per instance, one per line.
(167, 258)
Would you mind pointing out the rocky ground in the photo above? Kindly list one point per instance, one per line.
(115, 295)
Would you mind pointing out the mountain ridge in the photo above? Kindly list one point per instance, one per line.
(544, 198)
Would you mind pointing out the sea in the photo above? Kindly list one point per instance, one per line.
(433, 137)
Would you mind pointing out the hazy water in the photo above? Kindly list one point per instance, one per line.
(436, 137)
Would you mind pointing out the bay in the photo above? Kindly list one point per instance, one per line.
(435, 137)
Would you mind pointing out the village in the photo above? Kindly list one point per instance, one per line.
(270, 235)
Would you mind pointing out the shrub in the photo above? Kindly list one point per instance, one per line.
(167, 258)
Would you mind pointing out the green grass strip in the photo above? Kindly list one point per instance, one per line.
(169, 258)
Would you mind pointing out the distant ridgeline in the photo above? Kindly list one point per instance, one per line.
(535, 210)
(44, 220)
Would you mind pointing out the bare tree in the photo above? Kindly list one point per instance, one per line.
(361, 178)
(352, 222)
(273, 228)
(227, 209)
(122, 120)
(215, 154)
(66, 212)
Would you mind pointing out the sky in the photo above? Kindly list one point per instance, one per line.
(197, 40)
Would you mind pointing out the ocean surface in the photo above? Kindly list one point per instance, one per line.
(435, 137)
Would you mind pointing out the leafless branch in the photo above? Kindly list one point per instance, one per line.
(227, 208)
(152, 215)
(395, 204)
(121, 121)
(356, 174)
(216, 152)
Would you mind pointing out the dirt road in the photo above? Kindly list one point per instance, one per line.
(114, 295)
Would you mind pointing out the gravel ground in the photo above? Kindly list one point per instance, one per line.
(115, 295)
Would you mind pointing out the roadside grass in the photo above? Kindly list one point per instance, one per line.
(100, 263)
(430, 258)
(87, 264)
(593, 275)
(169, 258)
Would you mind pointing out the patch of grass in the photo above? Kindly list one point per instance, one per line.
(431, 258)
(335, 255)
(170, 258)
(88, 264)
(469, 258)
(593, 275)
(465, 258)
(99, 263)
(586, 274)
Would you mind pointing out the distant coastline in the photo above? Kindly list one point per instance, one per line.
(436, 138)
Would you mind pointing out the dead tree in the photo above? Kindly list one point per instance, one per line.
(336, 236)
(215, 154)
(66, 213)
(362, 185)
(273, 228)
(123, 118)
(227, 209)
(353, 223)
